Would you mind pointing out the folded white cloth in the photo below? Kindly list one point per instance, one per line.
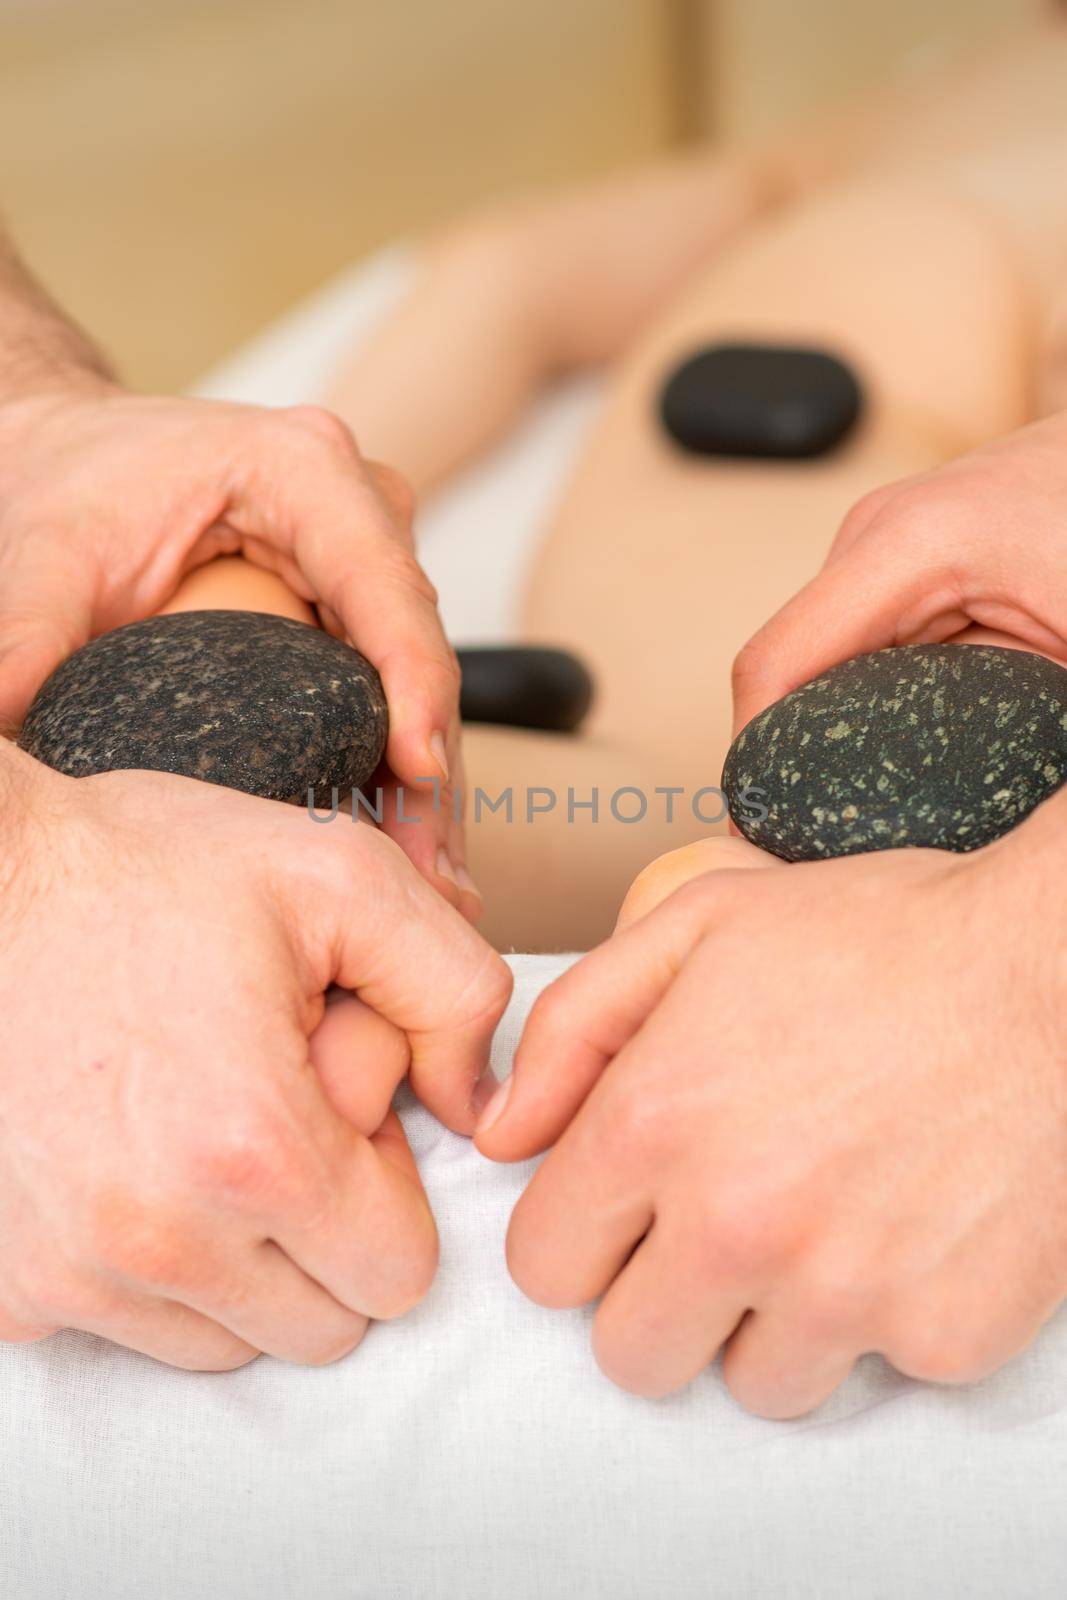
(473, 1450)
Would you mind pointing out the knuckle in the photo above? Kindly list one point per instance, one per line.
(922, 515)
(865, 510)
(226, 1355)
(742, 1232)
(534, 1267)
(318, 423)
(395, 489)
(409, 1291)
(553, 1014)
(64, 1300)
(839, 1291)
(323, 1349)
(620, 1357)
(937, 1351)
(641, 1127)
(492, 991)
(408, 573)
(395, 569)
(450, 672)
(412, 1269)
(708, 901)
(18, 1328)
(776, 1394)
(255, 1160)
(141, 1245)
(629, 1350)
(747, 669)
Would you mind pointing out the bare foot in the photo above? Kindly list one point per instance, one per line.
(230, 583)
(667, 873)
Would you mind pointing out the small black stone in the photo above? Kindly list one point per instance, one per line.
(947, 746)
(239, 698)
(770, 401)
(524, 686)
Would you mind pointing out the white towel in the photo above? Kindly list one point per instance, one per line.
(472, 1451)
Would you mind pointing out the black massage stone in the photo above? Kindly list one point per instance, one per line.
(947, 746)
(253, 702)
(524, 687)
(772, 401)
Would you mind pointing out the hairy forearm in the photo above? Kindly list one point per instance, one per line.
(40, 348)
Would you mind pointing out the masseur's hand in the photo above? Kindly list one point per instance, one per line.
(197, 1154)
(107, 500)
(805, 1113)
(979, 543)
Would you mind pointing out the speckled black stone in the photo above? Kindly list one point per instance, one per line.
(253, 702)
(779, 402)
(948, 746)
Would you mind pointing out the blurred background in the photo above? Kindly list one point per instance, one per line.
(182, 171)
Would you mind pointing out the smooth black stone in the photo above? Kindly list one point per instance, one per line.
(249, 701)
(947, 746)
(769, 401)
(524, 687)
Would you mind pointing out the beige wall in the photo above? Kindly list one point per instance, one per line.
(765, 61)
(181, 170)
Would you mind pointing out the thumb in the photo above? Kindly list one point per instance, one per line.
(38, 630)
(581, 1022)
(360, 1059)
(24, 666)
(375, 927)
(855, 605)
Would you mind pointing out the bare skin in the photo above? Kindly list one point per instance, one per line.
(795, 1115)
(804, 1113)
(197, 1152)
(926, 240)
(800, 1113)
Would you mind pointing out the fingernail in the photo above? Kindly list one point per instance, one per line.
(444, 867)
(495, 1108)
(467, 883)
(437, 750)
(484, 1092)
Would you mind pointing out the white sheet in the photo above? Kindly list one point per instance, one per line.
(472, 1450)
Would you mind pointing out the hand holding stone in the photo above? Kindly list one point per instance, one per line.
(263, 704)
(978, 544)
(944, 746)
(107, 500)
(199, 1157)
